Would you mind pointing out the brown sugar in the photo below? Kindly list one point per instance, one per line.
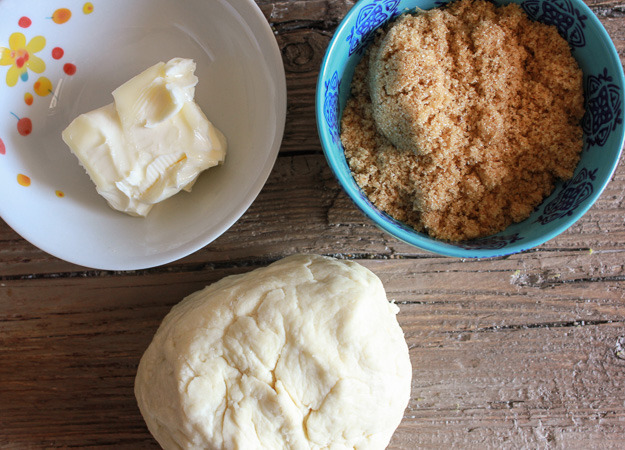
(461, 119)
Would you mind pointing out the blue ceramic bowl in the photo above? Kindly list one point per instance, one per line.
(602, 124)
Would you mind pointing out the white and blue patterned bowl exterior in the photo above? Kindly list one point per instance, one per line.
(602, 124)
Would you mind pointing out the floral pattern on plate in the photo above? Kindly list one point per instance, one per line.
(23, 56)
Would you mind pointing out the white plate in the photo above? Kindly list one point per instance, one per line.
(241, 89)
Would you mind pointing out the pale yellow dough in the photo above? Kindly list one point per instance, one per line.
(305, 353)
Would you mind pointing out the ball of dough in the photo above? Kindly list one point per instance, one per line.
(304, 353)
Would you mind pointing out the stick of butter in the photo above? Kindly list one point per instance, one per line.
(151, 142)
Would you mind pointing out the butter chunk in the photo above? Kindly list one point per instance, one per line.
(150, 143)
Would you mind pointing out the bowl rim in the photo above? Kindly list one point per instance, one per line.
(419, 239)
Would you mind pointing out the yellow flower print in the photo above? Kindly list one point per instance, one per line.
(21, 57)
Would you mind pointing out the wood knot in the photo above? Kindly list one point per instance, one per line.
(302, 52)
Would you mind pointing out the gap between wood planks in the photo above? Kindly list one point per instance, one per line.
(567, 324)
(259, 262)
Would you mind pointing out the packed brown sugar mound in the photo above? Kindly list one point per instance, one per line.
(461, 119)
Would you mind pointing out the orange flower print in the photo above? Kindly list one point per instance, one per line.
(21, 57)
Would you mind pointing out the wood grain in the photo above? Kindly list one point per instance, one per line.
(526, 351)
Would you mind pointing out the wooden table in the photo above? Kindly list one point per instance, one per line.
(523, 351)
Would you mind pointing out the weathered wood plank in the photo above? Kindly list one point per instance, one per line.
(315, 215)
(326, 12)
(494, 363)
(521, 388)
